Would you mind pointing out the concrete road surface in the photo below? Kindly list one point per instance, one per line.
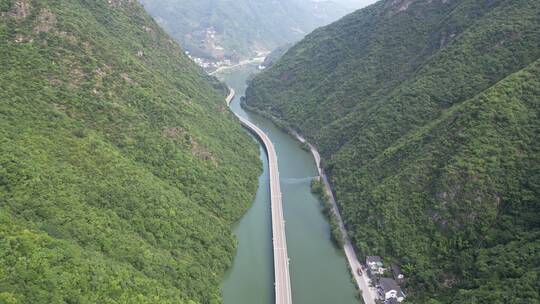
(282, 279)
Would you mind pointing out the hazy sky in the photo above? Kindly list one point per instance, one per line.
(357, 3)
(354, 3)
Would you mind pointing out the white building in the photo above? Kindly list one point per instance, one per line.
(375, 265)
(389, 289)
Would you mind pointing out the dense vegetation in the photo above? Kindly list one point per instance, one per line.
(274, 56)
(317, 188)
(427, 117)
(242, 27)
(121, 169)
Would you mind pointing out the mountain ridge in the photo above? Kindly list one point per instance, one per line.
(121, 169)
(221, 30)
(363, 90)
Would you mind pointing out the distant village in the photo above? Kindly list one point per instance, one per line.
(219, 60)
(387, 281)
(208, 64)
(212, 65)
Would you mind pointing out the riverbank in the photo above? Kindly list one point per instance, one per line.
(369, 294)
(230, 97)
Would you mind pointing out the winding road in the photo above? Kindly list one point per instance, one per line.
(282, 281)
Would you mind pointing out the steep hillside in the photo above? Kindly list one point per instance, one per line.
(276, 54)
(355, 4)
(218, 29)
(121, 170)
(426, 114)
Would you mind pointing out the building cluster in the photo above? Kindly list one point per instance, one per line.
(388, 287)
(209, 64)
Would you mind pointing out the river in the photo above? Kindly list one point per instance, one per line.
(318, 269)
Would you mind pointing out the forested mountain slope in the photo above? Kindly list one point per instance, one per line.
(426, 114)
(218, 29)
(121, 169)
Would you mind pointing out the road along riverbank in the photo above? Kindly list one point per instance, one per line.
(369, 294)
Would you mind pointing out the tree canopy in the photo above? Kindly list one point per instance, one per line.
(121, 169)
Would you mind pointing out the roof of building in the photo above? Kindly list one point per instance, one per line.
(396, 269)
(373, 259)
(391, 301)
(388, 284)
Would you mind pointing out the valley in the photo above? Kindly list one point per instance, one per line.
(223, 33)
(378, 155)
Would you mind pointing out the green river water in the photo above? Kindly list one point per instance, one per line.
(318, 270)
